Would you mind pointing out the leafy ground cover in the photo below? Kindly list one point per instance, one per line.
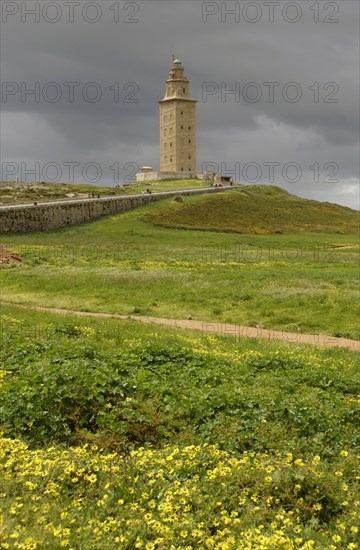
(135, 436)
(123, 264)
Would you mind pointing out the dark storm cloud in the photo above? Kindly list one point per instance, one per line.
(130, 61)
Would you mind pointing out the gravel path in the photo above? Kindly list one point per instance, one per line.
(316, 339)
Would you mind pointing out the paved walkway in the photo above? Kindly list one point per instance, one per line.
(107, 198)
(226, 329)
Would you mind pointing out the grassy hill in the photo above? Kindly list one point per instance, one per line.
(123, 264)
(257, 209)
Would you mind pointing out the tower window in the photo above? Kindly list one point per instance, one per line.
(171, 159)
(189, 157)
(182, 127)
(189, 127)
(184, 91)
(189, 169)
(182, 112)
(189, 140)
(182, 169)
(170, 143)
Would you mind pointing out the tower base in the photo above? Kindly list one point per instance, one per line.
(159, 176)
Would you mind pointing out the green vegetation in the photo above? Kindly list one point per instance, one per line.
(162, 438)
(258, 209)
(121, 435)
(124, 264)
(50, 191)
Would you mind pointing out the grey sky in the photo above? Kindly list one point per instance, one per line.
(237, 132)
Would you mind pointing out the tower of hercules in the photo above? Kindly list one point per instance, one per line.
(177, 124)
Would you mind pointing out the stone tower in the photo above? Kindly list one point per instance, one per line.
(178, 124)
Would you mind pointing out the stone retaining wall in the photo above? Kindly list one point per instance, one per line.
(43, 217)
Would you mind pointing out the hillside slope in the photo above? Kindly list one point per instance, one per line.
(256, 209)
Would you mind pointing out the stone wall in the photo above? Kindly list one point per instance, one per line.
(54, 215)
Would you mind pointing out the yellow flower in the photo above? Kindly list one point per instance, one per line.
(92, 478)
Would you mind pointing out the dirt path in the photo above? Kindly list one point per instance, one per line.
(227, 329)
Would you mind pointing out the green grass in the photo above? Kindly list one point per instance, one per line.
(123, 264)
(121, 435)
(49, 191)
(128, 436)
(258, 209)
